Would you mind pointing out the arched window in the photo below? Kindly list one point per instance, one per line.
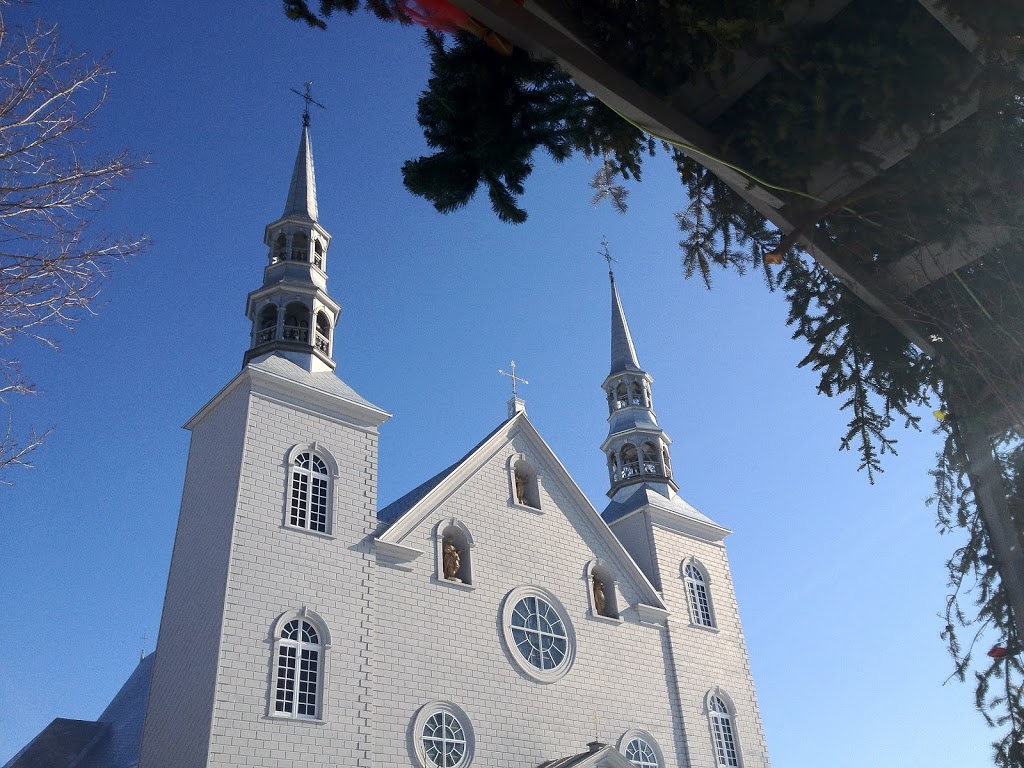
(307, 506)
(318, 254)
(630, 462)
(700, 599)
(323, 333)
(636, 394)
(300, 247)
(621, 396)
(651, 455)
(726, 752)
(298, 670)
(640, 753)
(666, 462)
(296, 323)
(268, 325)
(280, 249)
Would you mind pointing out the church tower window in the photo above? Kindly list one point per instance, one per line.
(300, 247)
(318, 254)
(700, 599)
(298, 674)
(307, 506)
(323, 333)
(726, 752)
(280, 249)
(296, 323)
(268, 325)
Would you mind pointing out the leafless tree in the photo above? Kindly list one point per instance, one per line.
(52, 258)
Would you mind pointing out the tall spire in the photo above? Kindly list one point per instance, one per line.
(302, 191)
(623, 351)
(637, 448)
(292, 314)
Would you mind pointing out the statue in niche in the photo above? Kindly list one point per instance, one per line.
(521, 488)
(450, 560)
(599, 601)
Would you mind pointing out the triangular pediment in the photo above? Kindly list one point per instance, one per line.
(406, 515)
(599, 756)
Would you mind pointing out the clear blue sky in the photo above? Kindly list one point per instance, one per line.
(839, 582)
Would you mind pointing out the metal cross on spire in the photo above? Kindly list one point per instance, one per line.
(608, 257)
(307, 97)
(514, 378)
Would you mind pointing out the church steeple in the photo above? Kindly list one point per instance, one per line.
(636, 447)
(291, 313)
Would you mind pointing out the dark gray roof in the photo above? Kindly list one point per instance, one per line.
(623, 352)
(120, 745)
(325, 381)
(58, 745)
(302, 190)
(400, 506)
(114, 741)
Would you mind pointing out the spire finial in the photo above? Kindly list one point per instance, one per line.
(308, 98)
(608, 257)
(514, 378)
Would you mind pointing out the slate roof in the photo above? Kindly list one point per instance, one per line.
(623, 351)
(403, 504)
(647, 497)
(113, 741)
(598, 755)
(325, 381)
(302, 190)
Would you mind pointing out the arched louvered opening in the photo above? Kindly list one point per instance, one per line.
(296, 323)
(323, 333)
(666, 462)
(318, 254)
(651, 459)
(613, 466)
(300, 247)
(636, 394)
(279, 249)
(267, 327)
(629, 462)
(621, 396)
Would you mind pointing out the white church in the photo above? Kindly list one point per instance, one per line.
(489, 618)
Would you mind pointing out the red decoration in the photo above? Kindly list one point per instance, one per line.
(439, 15)
(998, 652)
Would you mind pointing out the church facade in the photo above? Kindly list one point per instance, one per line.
(491, 617)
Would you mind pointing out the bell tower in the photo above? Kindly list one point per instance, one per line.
(292, 313)
(637, 448)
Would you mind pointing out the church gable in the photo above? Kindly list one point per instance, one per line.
(508, 511)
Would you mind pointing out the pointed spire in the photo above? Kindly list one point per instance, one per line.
(302, 191)
(623, 352)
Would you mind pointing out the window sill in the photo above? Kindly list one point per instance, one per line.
(705, 627)
(527, 507)
(307, 532)
(605, 619)
(454, 584)
(290, 719)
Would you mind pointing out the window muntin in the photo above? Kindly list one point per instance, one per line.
(297, 690)
(725, 738)
(444, 740)
(641, 754)
(700, 601)
(539, 634)
(308, 504)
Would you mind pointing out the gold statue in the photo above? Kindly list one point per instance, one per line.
(521, 489)
(599, 602)
(450, 560)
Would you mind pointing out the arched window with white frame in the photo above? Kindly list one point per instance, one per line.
(300, 643)
(723, 731)
(699, 596)
(308, 501)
